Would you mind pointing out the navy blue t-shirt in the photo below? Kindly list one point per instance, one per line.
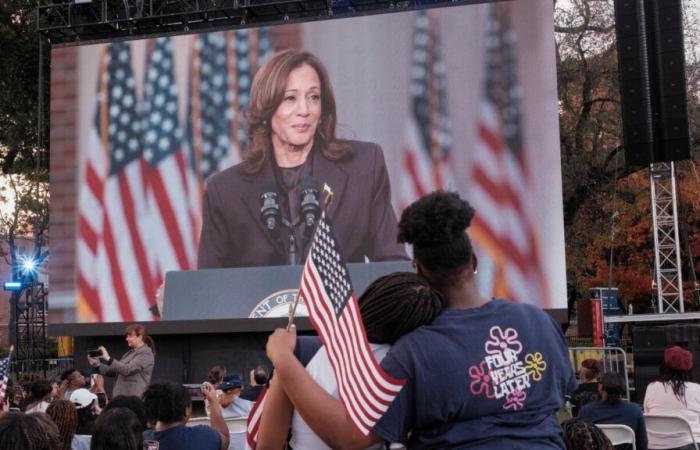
(201, 437)
(487, 377)
(622, 412)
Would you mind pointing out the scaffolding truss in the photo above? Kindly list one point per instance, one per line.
(30, 312)
(667, 255)
(81, 21)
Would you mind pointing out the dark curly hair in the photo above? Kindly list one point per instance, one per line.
(20, 431)
(397, 303)
(166, 402)
(436, 227)
(117, 429)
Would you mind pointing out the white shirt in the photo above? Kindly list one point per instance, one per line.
(303, 438)
(659, 399)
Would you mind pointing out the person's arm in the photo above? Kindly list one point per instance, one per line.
(216, 418)
(323, 413)
(276, 418)
(138, 363)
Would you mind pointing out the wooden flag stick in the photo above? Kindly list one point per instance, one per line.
(327, 201)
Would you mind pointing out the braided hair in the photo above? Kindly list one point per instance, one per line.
(436, 227)
(581, 435)
(166, 402)
(65, 416)
(20, 431)
(397, 303)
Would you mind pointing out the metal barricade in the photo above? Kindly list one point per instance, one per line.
(614, 359)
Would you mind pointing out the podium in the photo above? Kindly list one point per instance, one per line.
(216, 316)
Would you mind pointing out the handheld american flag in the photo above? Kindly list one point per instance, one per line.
(365, 390)
(253, 424)
(4, 376)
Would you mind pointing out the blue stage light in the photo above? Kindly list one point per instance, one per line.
(28, 264)
(12, 285)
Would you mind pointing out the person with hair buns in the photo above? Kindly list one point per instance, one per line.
(503, 368)
(674, 393)
(390, 307)
(133, 371)
(613, 409)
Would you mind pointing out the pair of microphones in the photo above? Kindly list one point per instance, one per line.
(310, 206)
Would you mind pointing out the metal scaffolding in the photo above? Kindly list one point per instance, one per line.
(30, 309)
(81, 21)
(667, 255)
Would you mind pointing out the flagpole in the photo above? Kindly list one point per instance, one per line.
(327, 201)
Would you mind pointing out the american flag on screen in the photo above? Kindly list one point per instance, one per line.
(172, 224)
(501, 179)
(365, 390)
(4, 377)
(428, 141)
(253, 424)
(223, 66)
(115, 281)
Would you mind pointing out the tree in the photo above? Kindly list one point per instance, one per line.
(27, 221)
(21, 150)
(607, 205)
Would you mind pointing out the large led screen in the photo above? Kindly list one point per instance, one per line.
(198, 151)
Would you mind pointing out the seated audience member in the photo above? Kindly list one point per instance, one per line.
(612, 409)
(14, 396)
(581, 435)
(390, 307)
(88, 410)
(470, 339)
(258, 380)
(20, 431)
(216, 375)
(228, 395)
(587, 390)
(71, 379)
(673, 393)
(131, 402)
(65, 416)
(39, 397)
(169, 406)
(117, 429)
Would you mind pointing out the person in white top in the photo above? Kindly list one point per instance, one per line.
(673, 393)
(39, 397)
(390, 307)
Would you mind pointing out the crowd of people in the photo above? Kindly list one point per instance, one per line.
(479, 373)
(69, 414)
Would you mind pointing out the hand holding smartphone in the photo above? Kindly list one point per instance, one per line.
(94, 353)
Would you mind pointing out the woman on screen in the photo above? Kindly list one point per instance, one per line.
(293, 151)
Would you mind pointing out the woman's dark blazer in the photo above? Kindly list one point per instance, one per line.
(233, 234)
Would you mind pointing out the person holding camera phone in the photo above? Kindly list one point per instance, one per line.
(133, 371)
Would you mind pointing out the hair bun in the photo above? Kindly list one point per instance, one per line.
(438, 218)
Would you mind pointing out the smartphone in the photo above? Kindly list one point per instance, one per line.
(94, 353)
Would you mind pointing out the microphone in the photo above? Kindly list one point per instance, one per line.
(310, 206)
(269, 206)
